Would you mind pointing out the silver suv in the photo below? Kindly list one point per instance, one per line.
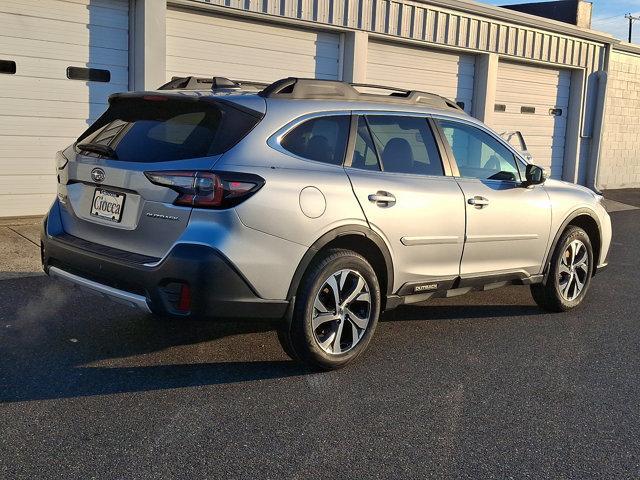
(319, 202)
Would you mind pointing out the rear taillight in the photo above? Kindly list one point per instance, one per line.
(208, 189)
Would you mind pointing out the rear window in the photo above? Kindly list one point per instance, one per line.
(139, 130)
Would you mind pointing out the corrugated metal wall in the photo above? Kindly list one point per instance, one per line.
(420, 21)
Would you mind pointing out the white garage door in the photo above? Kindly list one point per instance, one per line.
(202, 44)
(41, 110)
(535, 101)
(444, 73)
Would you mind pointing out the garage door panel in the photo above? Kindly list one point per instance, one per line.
(540, 98)
(20, 205)
(62, 90)
(200, 49)
(63, 32)
(541, 81)
(540, 120)
(28, 184)
(57, 69)
(540, 148)
(63, 51)
(183, 53)
(204, 44)
(542, 88)
(445, 73)
(29, 107)
(237, 71)
(185, 23)
(68, 12)
(541, 75)
(27, 166)
(539, 134)
(446, 89)
(446, 65)
(228, 39)
(44, 126)
(41, 110)
(408, 75)
(232, 31)
(119, 5)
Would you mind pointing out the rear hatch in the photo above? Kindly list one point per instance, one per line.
(105, 195)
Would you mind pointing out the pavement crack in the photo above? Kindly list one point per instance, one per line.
(23, 236)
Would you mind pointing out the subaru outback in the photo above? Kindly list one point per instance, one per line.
(317, 202)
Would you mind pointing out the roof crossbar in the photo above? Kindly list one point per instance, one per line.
(205, 83)
(315, 89)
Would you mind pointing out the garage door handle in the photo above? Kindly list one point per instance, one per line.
(382, 199)
(478, 202)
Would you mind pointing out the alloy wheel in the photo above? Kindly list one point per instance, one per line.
(573, 270)
(341, 312)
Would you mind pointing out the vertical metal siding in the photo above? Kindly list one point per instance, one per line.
(421, 21)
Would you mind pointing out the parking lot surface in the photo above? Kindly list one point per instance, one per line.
(481, 386)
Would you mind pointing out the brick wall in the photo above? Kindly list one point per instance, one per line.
(620, 155)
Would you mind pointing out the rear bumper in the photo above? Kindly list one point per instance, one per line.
(217, 289)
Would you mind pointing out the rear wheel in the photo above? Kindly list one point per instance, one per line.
(570, 272)
(336, 311)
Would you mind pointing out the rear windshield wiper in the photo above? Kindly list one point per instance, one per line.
(100, 149)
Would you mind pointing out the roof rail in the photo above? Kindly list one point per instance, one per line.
(315, 89)
(205, 83)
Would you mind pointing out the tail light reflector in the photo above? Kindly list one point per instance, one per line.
(184, 301)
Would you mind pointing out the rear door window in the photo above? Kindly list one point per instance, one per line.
(139, 130)
(322, 139)
(405, 144)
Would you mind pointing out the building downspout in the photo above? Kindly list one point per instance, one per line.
(593, 175)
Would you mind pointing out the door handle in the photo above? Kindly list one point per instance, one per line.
(382, 199)
(478, 202)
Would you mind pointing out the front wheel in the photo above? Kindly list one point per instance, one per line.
(570, 272)
(336, 311)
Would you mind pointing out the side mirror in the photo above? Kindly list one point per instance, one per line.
(535, 175)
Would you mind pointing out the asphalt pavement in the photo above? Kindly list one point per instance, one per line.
(481, 386)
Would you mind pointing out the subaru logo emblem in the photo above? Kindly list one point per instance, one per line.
(97, 174)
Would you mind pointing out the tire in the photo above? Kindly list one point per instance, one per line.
(561, 291)
(324, 335)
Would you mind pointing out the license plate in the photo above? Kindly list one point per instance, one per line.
(107, 204)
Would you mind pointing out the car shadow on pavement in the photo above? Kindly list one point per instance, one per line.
(59, 342)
